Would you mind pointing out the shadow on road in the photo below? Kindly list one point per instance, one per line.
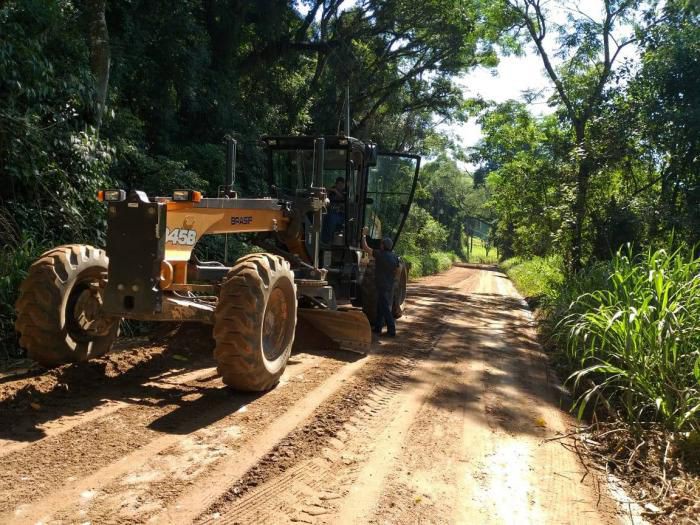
(496, 335)
(139, 373)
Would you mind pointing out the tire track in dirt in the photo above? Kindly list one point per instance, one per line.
(456, 435)
(192, 503)
(43, 405)
(177, 444)
(90, 440)
(63, 424)
(498, 468)
(304, 486)
(327, 452)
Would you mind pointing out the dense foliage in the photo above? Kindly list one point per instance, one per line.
(616, 160)
(629, 329)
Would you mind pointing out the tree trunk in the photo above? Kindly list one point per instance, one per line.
(99, 53)
(584, 173)
(582, 179)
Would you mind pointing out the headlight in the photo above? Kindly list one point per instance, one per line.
(112, 195)
(186, 195)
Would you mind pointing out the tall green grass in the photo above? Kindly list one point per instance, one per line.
(537, 278)
(429, 263)
(478, 253)
(631, 332)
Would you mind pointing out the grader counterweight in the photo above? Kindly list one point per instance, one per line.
(311, 267)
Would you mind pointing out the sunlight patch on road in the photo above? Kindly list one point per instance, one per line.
(508, 485)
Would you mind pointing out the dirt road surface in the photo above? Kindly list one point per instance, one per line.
(451, 422)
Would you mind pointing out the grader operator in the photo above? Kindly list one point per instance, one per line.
(74, 296)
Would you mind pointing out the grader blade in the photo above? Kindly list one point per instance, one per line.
(323, 329)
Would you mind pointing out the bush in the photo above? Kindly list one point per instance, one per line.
(416, 266)
(14, 264)
(422, 233)
(537, 278)
(422, 240)
(634, 338)
(430, 263)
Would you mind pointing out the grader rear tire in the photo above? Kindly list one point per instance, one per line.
(399, 300)
(254, 322)
(59, 307)
(369, 293)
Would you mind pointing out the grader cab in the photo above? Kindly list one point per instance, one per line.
(310, 268)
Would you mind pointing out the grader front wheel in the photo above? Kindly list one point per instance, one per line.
(399, 298)
(369, 292)
(254, 322)
(59, 310)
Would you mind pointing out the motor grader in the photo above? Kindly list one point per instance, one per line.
(74, 297)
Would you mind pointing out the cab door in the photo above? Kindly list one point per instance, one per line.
(391, 184)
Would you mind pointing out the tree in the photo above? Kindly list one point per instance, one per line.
(448, 194)
(663, 102)
(524, 160)
(98, 37)
(398, 58)
(589, 49)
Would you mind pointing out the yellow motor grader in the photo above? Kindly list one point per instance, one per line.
(311, 267)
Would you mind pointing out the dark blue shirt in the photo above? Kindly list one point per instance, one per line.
(385, 266)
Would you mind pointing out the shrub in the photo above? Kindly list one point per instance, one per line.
(635, 339)
(416, 266)
(422, 233)
(430, 263)
(14, 264)
(537, 278)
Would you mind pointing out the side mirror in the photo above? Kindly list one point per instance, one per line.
(369, 200)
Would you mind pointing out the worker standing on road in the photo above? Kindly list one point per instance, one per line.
(386, 264)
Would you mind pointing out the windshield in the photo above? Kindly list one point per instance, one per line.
(389, 191)
(293, 169)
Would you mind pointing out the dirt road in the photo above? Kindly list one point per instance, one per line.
(448, 423)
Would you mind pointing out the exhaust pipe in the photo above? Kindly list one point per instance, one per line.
(230, 164)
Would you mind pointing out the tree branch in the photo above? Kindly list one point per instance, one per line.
(538, 37)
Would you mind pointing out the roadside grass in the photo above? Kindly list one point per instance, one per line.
(626, 331)
(440, 261)
(430, 263)
(633, 339)
(627, 334)
(538, 278)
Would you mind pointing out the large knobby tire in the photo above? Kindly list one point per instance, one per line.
(369, 292)
(255, 321)
(59, 309)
